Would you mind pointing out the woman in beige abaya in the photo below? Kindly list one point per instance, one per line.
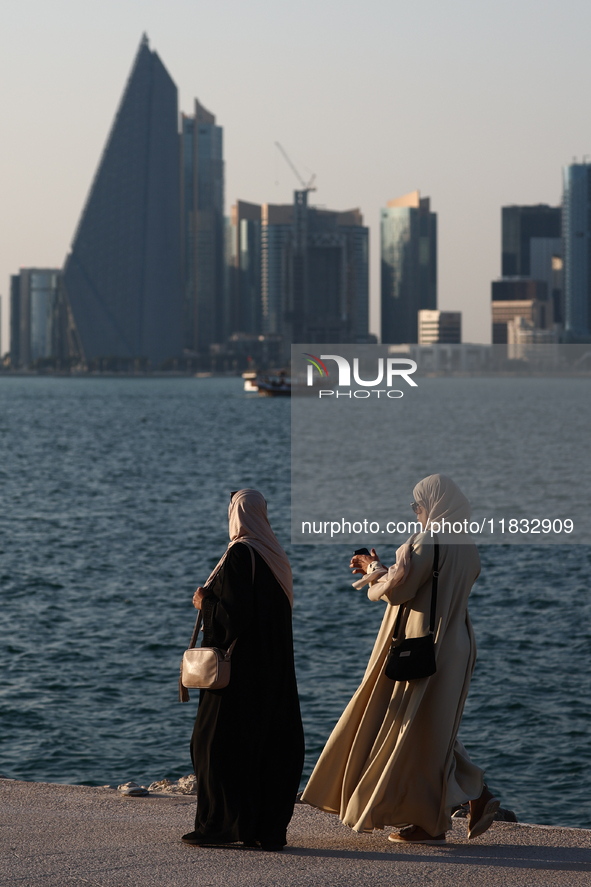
(393, 758)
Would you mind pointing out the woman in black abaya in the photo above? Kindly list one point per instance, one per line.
(248, 743)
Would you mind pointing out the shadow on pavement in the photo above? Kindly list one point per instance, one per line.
(567, 859)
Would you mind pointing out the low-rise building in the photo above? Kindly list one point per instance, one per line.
(519, 297)
(440, 326)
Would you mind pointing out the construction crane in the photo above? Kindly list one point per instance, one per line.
(306, 186)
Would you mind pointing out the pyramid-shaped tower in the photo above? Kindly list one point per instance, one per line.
(122, 276)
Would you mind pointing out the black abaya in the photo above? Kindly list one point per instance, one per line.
(248, 743)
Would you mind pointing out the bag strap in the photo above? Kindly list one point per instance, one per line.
(196, 630)
(200, 615)
(433, 595)
(434, 587)
(251, 549)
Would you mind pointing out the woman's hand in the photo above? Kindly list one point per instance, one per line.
(360, 562)
(198, 598)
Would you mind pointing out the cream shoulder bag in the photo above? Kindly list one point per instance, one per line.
(206, 668)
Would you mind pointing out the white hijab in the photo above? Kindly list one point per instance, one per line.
(443, 500)
(248, 522)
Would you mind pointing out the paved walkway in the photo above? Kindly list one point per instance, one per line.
(75, 836)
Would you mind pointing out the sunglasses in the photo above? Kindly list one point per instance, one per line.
(415, 507)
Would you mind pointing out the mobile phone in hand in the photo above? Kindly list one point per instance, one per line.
(361, 551)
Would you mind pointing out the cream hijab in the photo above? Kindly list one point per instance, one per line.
(247, 517)
(443, 500)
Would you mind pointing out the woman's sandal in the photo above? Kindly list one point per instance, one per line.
(482, 819)
(414, 834)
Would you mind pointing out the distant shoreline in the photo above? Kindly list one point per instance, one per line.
(178, 374)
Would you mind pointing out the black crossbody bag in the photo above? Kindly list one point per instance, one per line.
(413, 658)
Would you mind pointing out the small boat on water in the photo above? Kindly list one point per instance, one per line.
(268, 384)
(274, 384)
(250, 384)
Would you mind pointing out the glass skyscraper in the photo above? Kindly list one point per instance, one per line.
(408, 266)
(35, 316)
(577, 251)
(276, 247)
(202, 231)
(122, 276)
(337, 308)
(520, 225)
(314, 279)
(245, 294)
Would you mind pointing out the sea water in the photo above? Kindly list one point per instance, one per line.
(114, 496)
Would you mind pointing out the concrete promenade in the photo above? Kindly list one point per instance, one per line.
(75, 836)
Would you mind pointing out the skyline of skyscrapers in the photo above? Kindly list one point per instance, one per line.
(157, 273)
(408, 233)
(300, 272)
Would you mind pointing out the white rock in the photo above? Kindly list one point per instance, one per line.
(162, 785)
(186, 785)
(133, 789)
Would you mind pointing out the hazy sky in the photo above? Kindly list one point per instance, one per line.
(477, 104)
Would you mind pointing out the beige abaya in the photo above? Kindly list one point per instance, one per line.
(393, 758)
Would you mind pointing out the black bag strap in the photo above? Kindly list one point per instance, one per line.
(196, 630)
(433, 596)
(434, 587)
(200, 615)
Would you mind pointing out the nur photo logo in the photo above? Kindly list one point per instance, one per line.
(389, 369)
(314, 361)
